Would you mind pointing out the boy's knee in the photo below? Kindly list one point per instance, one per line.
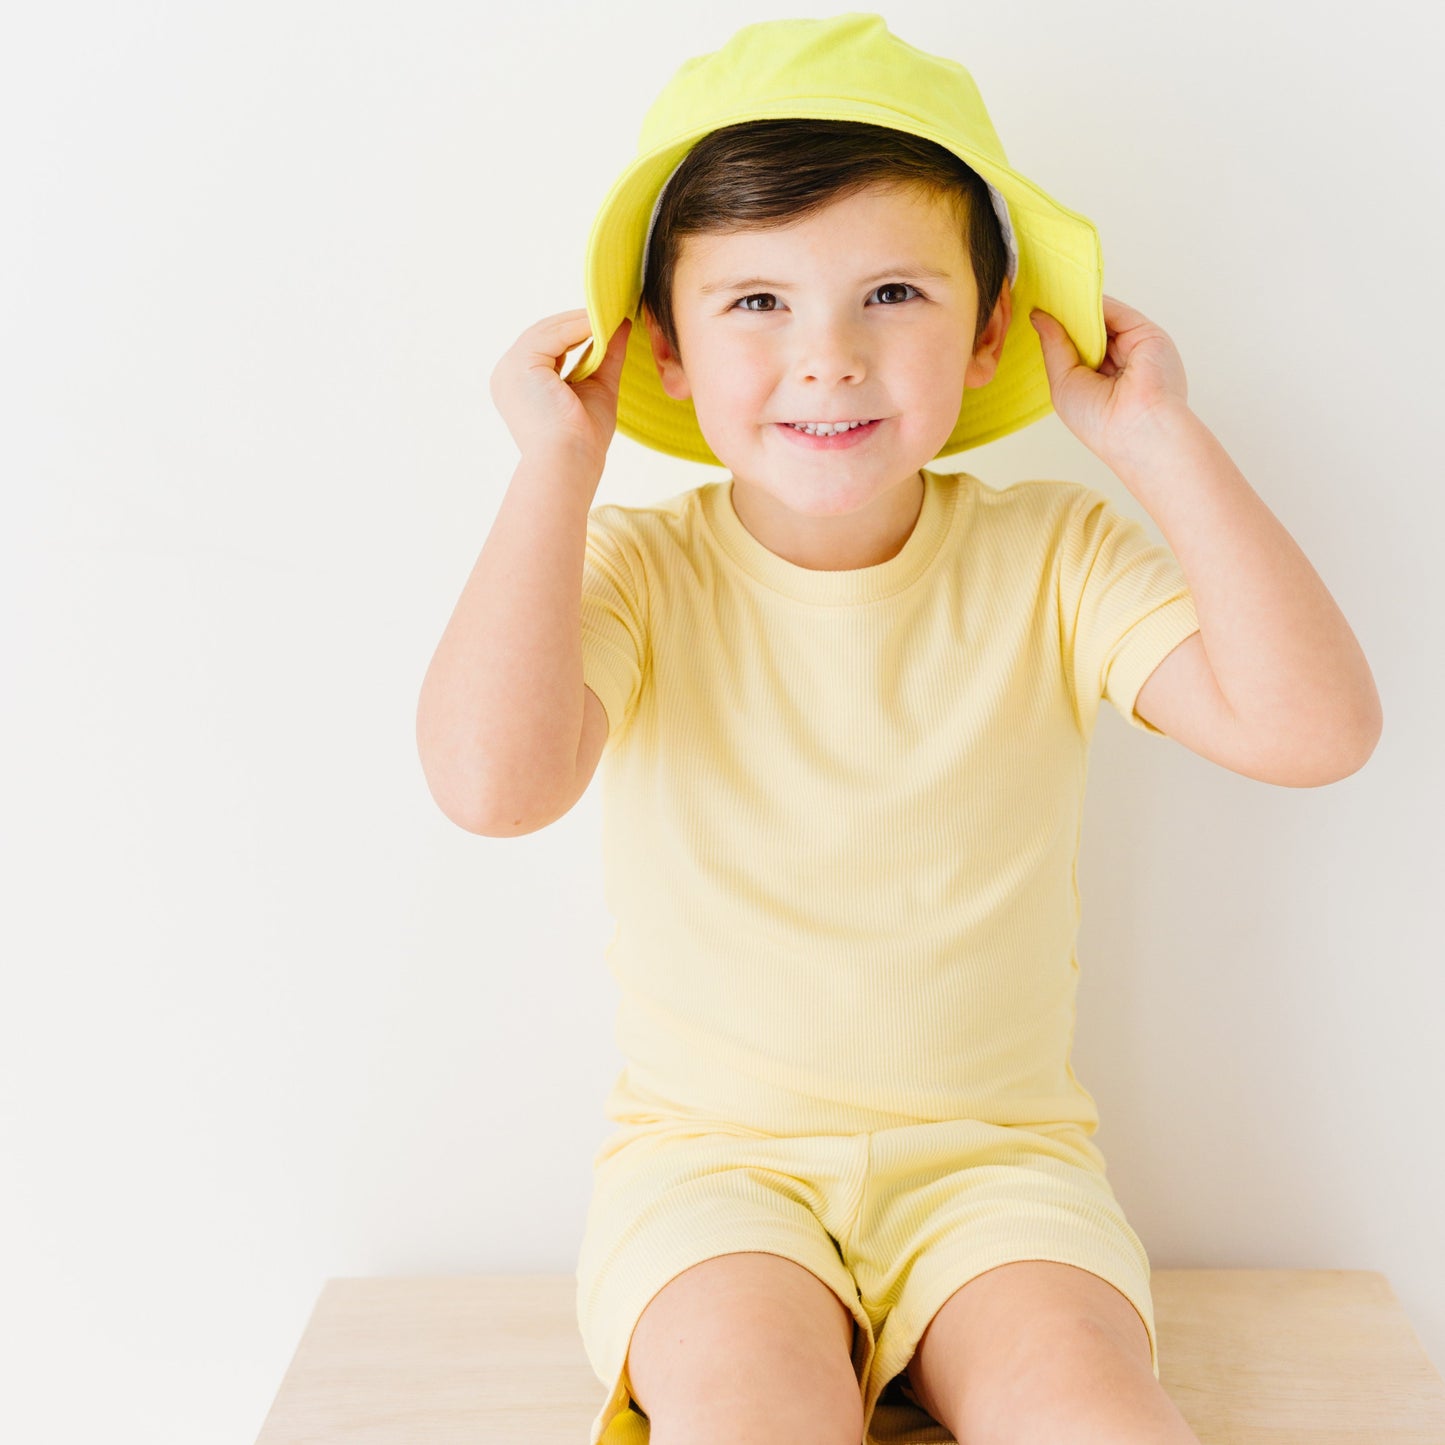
(746, 1346)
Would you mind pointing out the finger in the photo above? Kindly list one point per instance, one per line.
(1122, 315)
(559, 361)
(564, 315)
(1059, 352)
(612, 363)
(565, 347)
(551, 331)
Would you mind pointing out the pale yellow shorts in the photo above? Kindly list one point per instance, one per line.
(893, 1221)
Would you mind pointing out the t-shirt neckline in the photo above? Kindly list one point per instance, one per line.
(855, 584)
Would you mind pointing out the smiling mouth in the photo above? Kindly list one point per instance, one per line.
(830, 428)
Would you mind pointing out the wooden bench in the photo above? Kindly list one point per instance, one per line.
(1250, 1356)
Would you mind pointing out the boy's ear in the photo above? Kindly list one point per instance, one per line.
(669, 364)
(989, 348)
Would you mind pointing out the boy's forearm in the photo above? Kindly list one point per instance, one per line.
(1281, 651)
(499, 718)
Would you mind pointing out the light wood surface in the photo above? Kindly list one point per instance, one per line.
(1250, 1356)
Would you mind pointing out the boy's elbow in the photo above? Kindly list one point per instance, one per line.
(494, 819)
(502, 826)
(1365, 738)
(463, 800)
(1362, 754)
(499, 803)
(1351, 757)
(489, 822)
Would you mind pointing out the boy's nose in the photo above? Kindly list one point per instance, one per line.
(830, 354)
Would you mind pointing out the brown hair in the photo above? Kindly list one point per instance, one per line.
(763, 173)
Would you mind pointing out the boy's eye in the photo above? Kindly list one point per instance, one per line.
(898, 286)
(768, 295)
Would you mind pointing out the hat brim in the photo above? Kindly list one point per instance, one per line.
(1060, 270)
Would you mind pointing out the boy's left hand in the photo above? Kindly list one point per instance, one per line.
(1139, 380)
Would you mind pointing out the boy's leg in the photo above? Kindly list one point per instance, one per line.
(1040, 1353)
(747, 1346)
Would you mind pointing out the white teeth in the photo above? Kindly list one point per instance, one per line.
(825, 428)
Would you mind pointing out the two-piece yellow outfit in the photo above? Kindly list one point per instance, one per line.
(842, 814)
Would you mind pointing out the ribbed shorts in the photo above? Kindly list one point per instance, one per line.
(892, 1221)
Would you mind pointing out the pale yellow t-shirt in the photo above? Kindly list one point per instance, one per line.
(841, 810)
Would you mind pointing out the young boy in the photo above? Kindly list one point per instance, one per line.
(846, 702)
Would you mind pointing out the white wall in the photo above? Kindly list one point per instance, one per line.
(268, 1016)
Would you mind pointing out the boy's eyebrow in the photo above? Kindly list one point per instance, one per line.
(906, 269)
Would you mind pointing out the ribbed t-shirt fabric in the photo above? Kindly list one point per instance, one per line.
(842, 809)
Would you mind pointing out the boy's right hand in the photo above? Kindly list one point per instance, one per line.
(549, 417)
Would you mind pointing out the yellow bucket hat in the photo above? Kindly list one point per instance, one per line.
(849, 67)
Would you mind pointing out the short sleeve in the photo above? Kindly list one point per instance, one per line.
(614, 618)
(1124, 606)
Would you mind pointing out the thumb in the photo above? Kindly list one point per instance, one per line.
(610, 371)
(1060, 354)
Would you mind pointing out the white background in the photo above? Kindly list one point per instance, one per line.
(268, 1016)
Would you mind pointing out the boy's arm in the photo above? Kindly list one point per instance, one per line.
(499, 721)
(1274, 685)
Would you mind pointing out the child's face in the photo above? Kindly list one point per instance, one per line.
(840, 327)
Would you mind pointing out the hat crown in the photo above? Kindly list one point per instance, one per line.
(806, 68)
